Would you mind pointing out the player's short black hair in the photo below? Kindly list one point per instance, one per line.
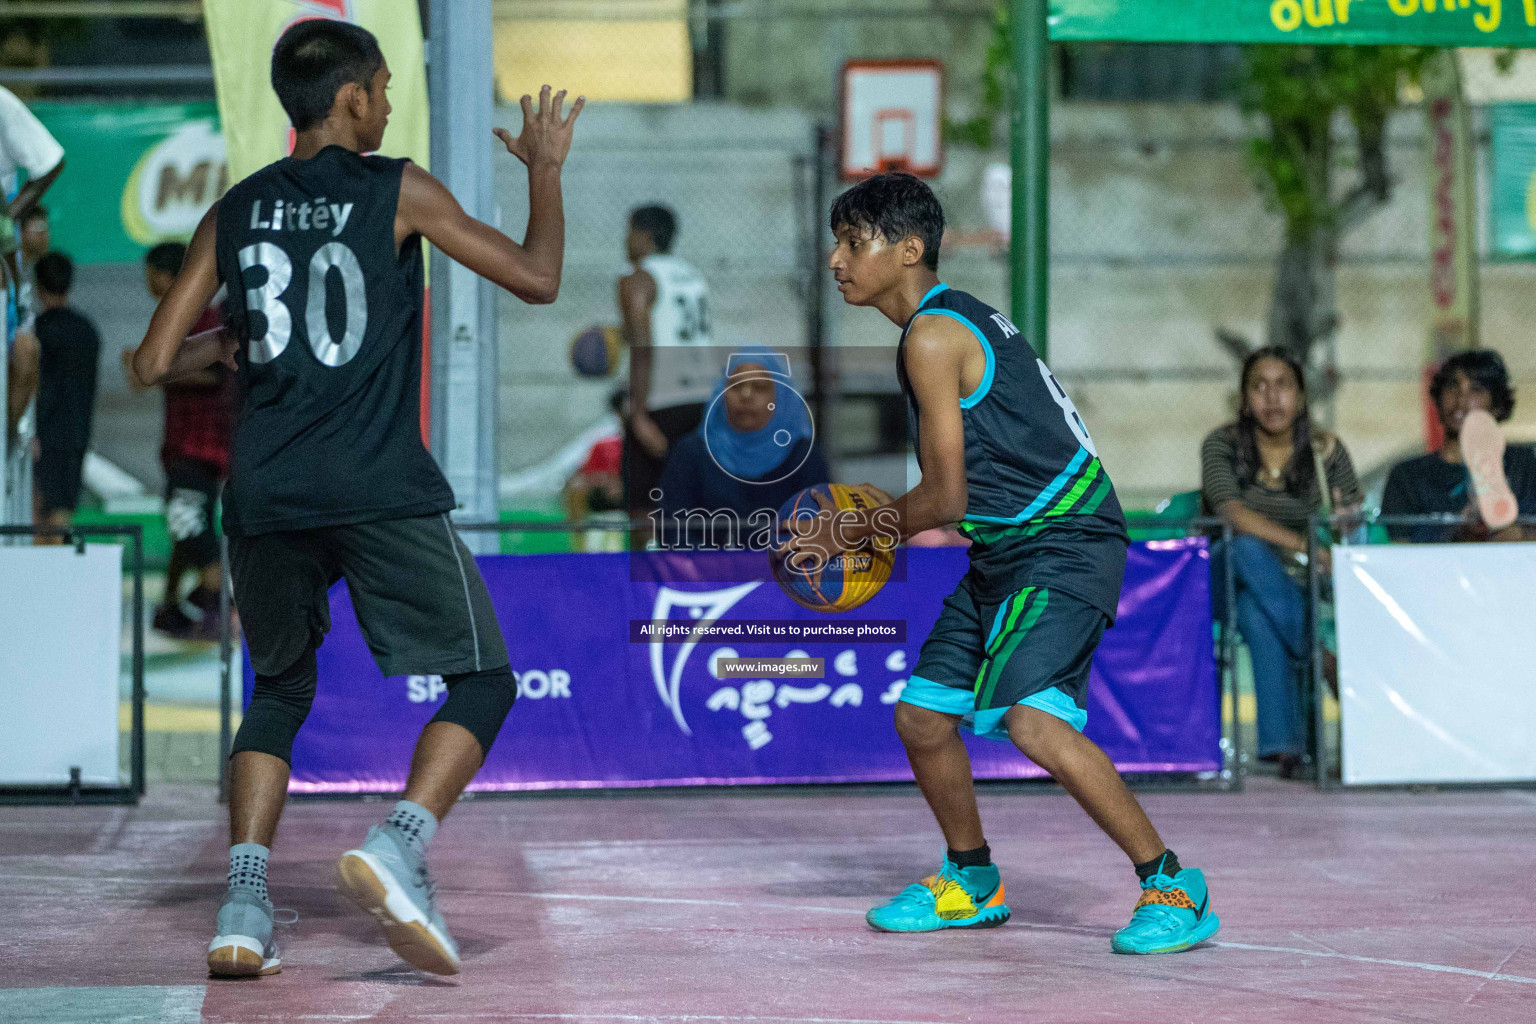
(55, 272)
(1486, 370)
(895, 206)
(167, 257)
(659, 222)
(314, 59)
(38, 212)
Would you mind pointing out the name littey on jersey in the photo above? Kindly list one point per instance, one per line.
(313, 215)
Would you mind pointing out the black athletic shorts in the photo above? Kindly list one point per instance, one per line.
(191, 492)
(641, 471)
(419, 598)
(988, 652)
(57, 474)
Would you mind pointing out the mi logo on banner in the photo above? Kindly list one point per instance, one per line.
(1005, 325)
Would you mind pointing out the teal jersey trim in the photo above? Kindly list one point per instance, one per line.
(1044, 497)
(969, 401)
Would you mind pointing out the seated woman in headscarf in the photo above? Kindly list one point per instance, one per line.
(754, 451)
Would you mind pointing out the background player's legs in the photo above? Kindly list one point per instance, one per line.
(942, 768)
(1086, 772)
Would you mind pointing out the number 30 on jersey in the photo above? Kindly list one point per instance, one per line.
(268, 301)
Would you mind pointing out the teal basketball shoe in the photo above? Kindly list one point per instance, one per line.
(953, 898)
(1172, 915)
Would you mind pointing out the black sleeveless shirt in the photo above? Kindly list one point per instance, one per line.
(330, 313)
(1040, 509)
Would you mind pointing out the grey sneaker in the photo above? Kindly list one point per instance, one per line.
(388, 879)
(242, 945)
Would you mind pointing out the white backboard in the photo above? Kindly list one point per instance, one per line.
(892, 118)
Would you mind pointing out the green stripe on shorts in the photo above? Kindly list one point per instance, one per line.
(1008, 640)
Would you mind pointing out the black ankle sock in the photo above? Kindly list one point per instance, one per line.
(981, 857)
(1165, 863)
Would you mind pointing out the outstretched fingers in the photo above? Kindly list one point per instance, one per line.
(581, 101)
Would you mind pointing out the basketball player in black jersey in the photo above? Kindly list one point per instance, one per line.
(1004, 452)
(322, 256)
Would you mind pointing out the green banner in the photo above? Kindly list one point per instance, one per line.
(134, 175)
(1348, 22)
(1513, 205)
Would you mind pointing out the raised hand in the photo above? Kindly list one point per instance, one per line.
(546, 137)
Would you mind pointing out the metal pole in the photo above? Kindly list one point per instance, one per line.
(1029, 254)
(816, 301)
(1237, 754)
(465, 375)
(226, 652)
(1315, 647)
(136, 740)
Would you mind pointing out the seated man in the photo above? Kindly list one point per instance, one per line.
(1438, 483)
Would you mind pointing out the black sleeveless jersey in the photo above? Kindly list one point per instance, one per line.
(330, 313)
(1040, 510)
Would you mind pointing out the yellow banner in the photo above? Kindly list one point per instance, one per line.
(635, 51)
(241, 34)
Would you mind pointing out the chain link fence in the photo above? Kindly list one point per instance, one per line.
(1161, 242)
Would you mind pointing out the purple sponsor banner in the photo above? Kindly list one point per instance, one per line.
(598, 710)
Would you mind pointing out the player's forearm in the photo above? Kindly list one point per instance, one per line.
(925, 507)
(545, 239)
(1255, 524)
(163, 363)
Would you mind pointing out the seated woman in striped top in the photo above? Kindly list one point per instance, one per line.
(1266, 474)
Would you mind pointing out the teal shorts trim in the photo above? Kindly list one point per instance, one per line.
(948, 700)
(989, 652)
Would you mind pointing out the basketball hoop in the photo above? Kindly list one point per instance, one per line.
(892, 117)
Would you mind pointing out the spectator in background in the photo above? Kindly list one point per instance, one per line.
(664, 306)
(597, 487)
(199, 414)
(69, 349)
(36, 241)
(1438, 483)
(754, 451)
(25, 145)
(1266, 474)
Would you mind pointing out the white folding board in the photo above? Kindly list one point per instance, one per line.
(61, 616)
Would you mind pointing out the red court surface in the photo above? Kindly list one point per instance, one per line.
(719, 907)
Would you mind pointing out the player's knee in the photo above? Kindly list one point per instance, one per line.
(1038, 734)
(922, 729)
(480, 702)
(279, 705)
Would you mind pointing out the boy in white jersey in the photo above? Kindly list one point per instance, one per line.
(665, 308)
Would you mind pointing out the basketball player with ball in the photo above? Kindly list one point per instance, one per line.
(1004, 452)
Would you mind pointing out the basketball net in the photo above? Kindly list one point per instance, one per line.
(894, 159)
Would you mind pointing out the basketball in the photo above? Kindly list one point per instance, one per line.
(851, 578)
(595, 352)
